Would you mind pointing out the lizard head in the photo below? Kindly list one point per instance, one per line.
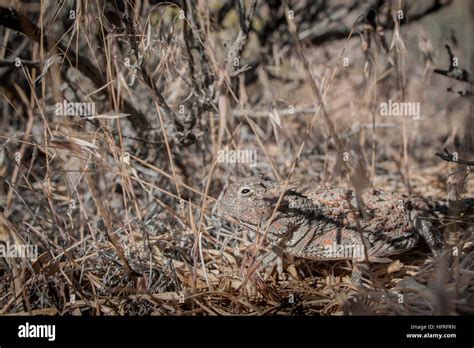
(250, 200)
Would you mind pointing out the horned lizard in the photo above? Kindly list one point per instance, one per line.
(331, 224)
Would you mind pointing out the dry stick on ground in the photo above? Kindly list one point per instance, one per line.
(106, 227)
(233, 56)
(454, 71)
(191, 30)
(452, 158)
(13, 19)
(457, 73)
(27, 63)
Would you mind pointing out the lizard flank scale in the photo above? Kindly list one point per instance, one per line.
(319, 225)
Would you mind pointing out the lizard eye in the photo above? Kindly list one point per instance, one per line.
(245, 191)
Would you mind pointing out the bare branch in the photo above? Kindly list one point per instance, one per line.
(11, 18)
(454, 71)
(452, 158)
(233, 56)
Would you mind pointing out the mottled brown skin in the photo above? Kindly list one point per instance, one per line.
(328, 225)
